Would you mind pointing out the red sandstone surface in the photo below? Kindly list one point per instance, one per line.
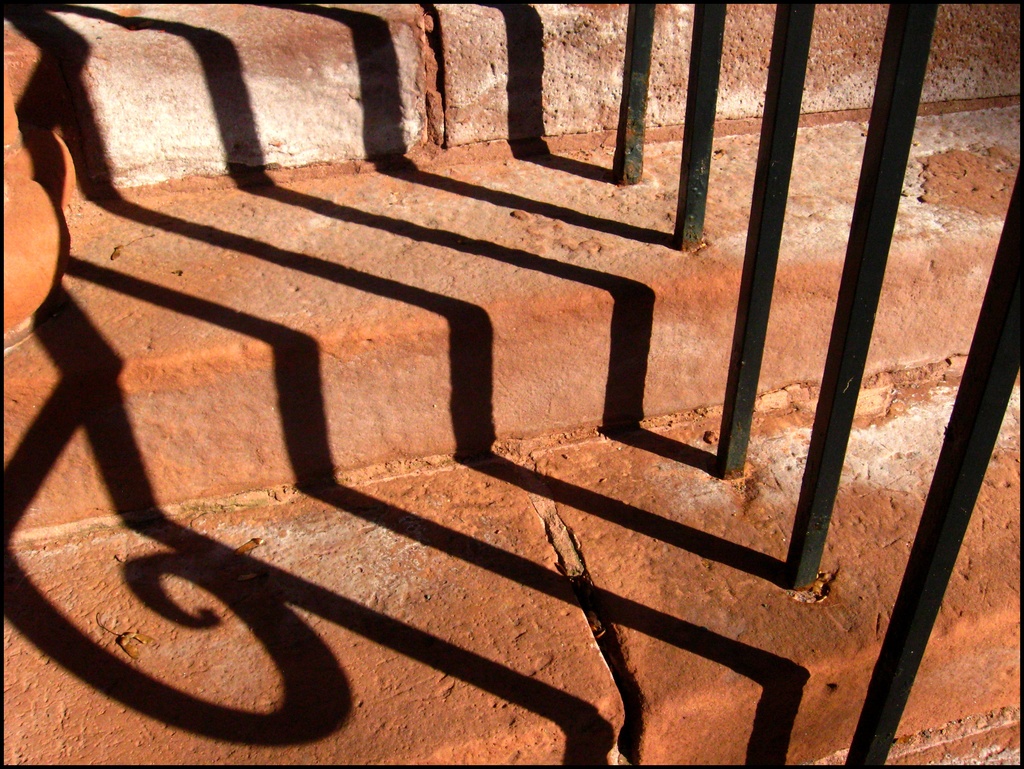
(249, 513)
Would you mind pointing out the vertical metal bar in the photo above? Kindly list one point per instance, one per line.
(790, 46)
(628, 165)
(699, 128)
(971, 435)
(908, 35)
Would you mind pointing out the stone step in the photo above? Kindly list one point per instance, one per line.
(413, 620)
(149, 93)
(221, 340)
(561, 602)
(248, 513)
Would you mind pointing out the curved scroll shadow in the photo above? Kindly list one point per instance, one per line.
(304, 425)
(589, 737)
(316, 694)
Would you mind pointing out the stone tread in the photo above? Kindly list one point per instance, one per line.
(421, 614)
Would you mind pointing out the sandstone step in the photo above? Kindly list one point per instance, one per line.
(414, 620)
(522, 71)
(720, 666)
(168, 91)
(170, 593)
(445, 613)
(220, 340)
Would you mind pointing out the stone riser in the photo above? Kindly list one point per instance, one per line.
(226, 90)
(272, 335)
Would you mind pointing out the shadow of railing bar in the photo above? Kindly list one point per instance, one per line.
(632, 309)
(690, 539)
(307, 713)
(663, 446)
(509, 565)
(524, 89)
(629, 293)
(624, 230)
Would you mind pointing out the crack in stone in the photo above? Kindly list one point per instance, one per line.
(572, 564)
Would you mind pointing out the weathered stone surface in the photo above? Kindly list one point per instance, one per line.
(724, 667)
(179, 90)
(224, 340)
(258, 336)
(170, 91)
(986, 739)
(418, 616)
(414, 620)
(521, 71)
(566, 64)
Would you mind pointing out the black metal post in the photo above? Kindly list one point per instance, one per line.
(628, 165)
(790, 46)
(699, 128)
(897, 94)
(981, 402)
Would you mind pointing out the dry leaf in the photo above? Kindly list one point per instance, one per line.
(127, 642)
(117, 249)
(252, 544)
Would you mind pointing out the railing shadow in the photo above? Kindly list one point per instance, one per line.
(316, 698)
(654, 443)
(377, 62)
(316, 688)
(307, 712)
(524, 42)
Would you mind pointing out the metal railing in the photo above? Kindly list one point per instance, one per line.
(992, 364)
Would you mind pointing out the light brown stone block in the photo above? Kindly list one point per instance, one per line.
(565, 64)
(171, 91)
